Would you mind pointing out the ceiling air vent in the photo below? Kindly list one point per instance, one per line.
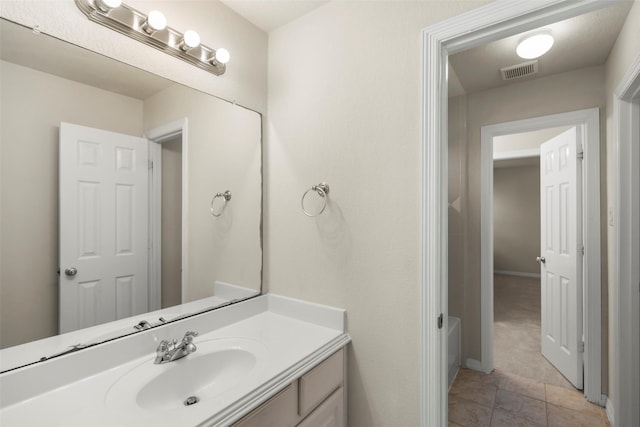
(520, 70)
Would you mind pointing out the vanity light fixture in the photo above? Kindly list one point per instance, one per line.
(535, 44)
(107, 5)
(221, 56)
(190, 40)
(152, 30)
(156, 21)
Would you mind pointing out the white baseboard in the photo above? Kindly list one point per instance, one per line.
(517, 273)
(611, 413)
(474, 365)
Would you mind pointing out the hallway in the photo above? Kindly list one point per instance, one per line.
(516, 330)
(524, 389)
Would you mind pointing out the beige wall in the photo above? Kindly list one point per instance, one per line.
(516, 218)
(526, 140)
(171, 263)
(559, 93)
(223, 153)
(32, 106)
(345, 108)
(457, 203)
(624, 53)
(245, 80)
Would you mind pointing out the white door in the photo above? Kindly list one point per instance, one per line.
(561, 258)
(103, 192)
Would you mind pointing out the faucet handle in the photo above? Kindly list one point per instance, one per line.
(188, 337)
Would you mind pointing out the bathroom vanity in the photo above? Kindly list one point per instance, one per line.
(267, 361)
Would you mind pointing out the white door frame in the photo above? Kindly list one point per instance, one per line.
(496, 20)
(626, 388)
(157, 136)
(589, 123)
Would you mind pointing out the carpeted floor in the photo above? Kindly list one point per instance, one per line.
(516, 333)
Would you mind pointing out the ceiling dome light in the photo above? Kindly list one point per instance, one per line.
(222, 55)
(190, 40)
(535, 45)
(107, 5)
(156, 21)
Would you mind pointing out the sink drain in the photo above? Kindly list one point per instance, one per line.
(191, 400)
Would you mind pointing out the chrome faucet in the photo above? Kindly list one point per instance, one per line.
(168, 351)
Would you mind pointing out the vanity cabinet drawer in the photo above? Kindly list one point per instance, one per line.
(279, 411)
(320, 382)
(329, 413)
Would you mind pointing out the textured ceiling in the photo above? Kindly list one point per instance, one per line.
(583, 41)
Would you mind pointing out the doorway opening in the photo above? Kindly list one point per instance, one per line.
(587, 313)
(517, 236)
(491, 22)
(168, 154)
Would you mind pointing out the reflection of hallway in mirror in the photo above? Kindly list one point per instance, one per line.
(516, 329)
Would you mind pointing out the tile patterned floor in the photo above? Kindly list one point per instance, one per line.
(508, 400)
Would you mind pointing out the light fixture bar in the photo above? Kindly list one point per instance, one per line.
(133, 23)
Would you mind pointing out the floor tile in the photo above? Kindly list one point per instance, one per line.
(503, 418)
(570, 399)
(480, 393)
(558, 416)
(465, 375)
(522, 407)
(520, 385)
(467, 413)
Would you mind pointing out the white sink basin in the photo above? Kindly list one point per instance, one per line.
(216, 367)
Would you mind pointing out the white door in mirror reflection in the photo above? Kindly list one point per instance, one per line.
(103, 226)
(561, 258)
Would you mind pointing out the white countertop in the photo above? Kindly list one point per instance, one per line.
(73, 390)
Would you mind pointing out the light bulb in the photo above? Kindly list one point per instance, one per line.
(222, 55)
(535, 46)
(190, 40)
(156, 21)
(107, 5)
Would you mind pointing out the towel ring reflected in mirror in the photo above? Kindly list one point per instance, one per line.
(322, 190)
(226, 196)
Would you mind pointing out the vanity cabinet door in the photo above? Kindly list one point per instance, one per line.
(280, 411)
(317, 398)
(329, 414)
(320, 382)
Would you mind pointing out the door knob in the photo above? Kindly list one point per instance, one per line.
(541, 259)
(72, 271)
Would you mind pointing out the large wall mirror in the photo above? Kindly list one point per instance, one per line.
(127, 200)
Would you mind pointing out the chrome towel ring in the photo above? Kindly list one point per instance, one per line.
(226, 196)
(322, 190)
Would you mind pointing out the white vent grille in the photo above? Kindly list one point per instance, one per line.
(519, 71)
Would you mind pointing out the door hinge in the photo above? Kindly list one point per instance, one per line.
(150, 164)
(440, 321)
(582, 250)
(580, 346)
(581, 155)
